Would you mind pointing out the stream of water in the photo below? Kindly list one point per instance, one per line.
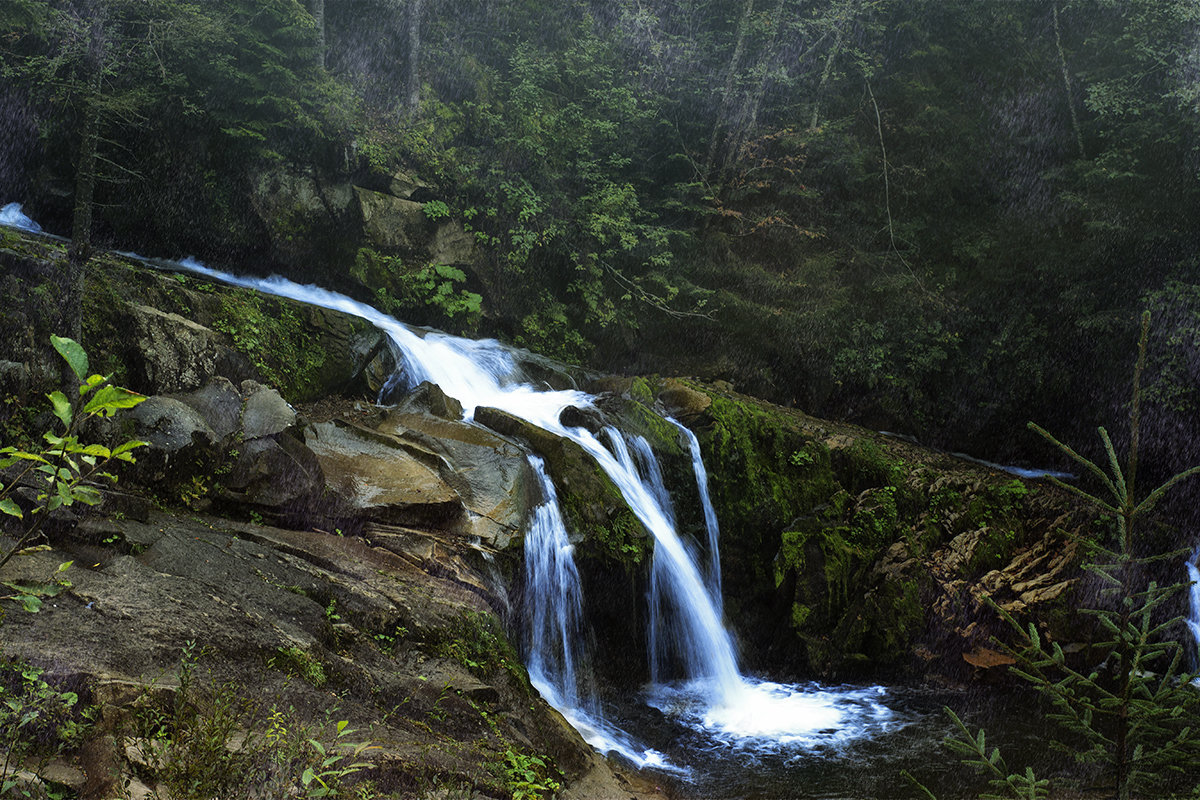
(696, 683)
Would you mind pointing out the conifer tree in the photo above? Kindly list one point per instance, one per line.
(1132, 711)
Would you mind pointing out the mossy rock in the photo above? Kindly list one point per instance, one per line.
(302, 350)
(593, 507)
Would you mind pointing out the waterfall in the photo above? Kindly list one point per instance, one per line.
(554, 630)
(713, 697)
(712, 528)
(1193, 617)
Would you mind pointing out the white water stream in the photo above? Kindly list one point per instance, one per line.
(1193, 617)
(710, 695)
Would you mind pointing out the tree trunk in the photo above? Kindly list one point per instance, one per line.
(413, 83)
(748, 119)
(833, 51)
(317, 9)
(1066, 76)
(722, 121)
(85, 183)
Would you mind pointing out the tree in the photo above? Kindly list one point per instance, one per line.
(1132, 710)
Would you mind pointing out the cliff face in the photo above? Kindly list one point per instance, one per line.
(345, 561)
(848, 552)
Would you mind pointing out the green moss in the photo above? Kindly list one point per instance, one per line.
(869, 466)
(641, 391)
(477, 642)
(766, 464)
(875, 521)
(301, 663)
(611, 530)
(273, 337)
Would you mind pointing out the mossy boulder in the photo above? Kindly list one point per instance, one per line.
(846, 551)
(593, 508)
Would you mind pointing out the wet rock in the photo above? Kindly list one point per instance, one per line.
(219, 403)
(587, 418)
(392, 224)
(430, 399)
(490, 473)
(683, 402)
(266, 412)
(275, 472)
(170, 425)
(179, 355)
(404, 185)
(380, 477)
(294, 205)
(453, 245)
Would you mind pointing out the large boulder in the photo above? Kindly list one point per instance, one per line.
(170, 425)
(299, 209)
(381, 477)
(391, 224)
(490, 473)
(265, 413)
(179, 355)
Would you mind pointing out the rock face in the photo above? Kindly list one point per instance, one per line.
(314, 621)
(179, 355)
(393, 224)
(848, 552)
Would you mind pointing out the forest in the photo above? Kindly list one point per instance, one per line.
(938, 218)
(935, 219)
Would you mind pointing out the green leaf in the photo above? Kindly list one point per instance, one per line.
(87, 495)
(110, 399)
(8, 506)
(62, 407)
(73, 353)
(92, 382)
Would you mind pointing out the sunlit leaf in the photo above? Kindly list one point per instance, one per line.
(73, 353)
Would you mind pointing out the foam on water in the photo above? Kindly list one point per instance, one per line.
(766, 716)
(12, 216)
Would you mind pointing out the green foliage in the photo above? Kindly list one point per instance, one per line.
(299, 662)
(188, 745)
(529, 776)
(433, 290)
(38, 722)
(1131, 709)
(31, 594)
(66, 470)
(990, 763)
(275, 339)
(477, 642)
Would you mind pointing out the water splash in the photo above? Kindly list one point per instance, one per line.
(12, 216)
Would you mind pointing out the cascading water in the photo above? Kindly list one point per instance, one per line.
(711, 527)
(554, 626)
(1193, 617)
(712, 696)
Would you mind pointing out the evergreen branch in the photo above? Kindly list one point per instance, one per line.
(1122, 492)
(1091, 498)
(1158, 493)
(1083, 462)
